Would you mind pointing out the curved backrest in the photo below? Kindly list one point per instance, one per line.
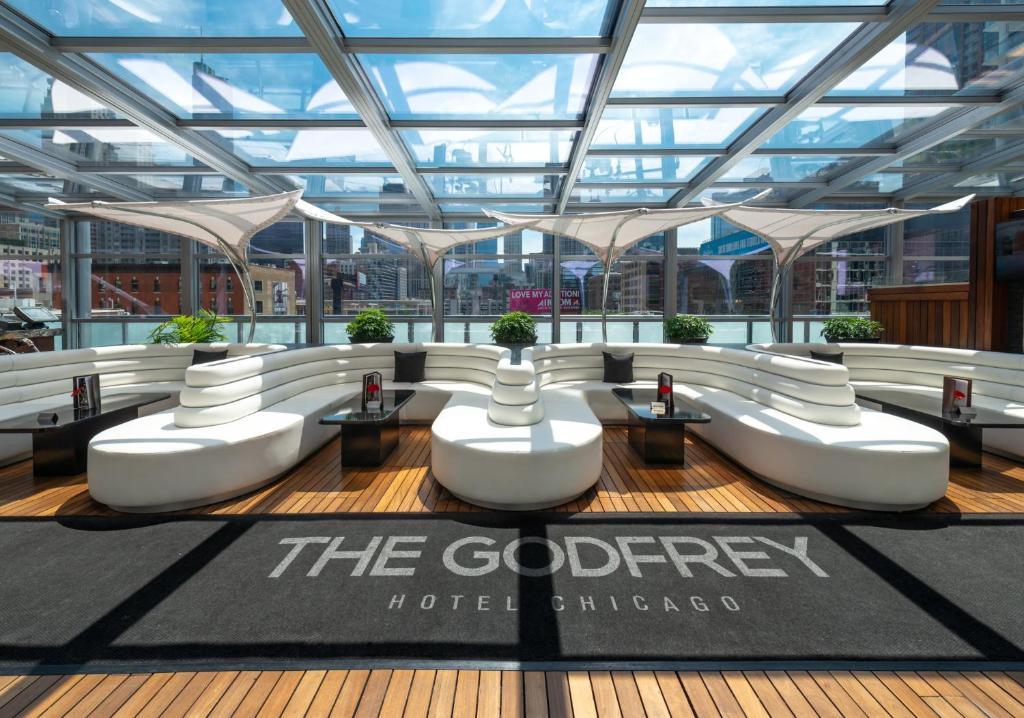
(228, 390)
(814, 391)
(994, 374)
(24, 377)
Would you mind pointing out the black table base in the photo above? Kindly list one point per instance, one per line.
(64, 451)
(369, 444)
(657, 444)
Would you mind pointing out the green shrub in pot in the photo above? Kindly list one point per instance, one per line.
(370, 326)
(514, 328)
(688, 329)
(203, 328)
(851, 329)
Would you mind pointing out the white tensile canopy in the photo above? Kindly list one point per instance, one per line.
(427, 243)
(609, 234)
(792, 233)
(224, 224)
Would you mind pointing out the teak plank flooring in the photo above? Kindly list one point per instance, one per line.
(708, 482)
(488, 693)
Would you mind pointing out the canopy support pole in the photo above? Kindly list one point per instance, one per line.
(609, 258)
(433, 291)
(238, 264)
(781, 273)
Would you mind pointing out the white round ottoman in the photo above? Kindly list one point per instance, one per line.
(516, 468)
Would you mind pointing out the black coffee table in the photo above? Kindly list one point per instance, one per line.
(368, 438)
(964, 433)
(657, 439)
(61, 448)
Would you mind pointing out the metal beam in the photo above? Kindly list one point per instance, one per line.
(62, 169)
(986, 163)
(719, 13)
(318, 24)
(943, 127)
(9, 200)
(402, 45)
(34, 46)
(861, 46)
(622, 34)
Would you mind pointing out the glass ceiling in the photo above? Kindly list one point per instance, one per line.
(513, 103)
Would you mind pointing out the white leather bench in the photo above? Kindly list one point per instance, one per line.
(243, 423)
(998, 378)
(31, 383)
(792, 423)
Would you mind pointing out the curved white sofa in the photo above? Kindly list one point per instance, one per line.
(31, 383)
(792, 423)
(244, 422)
(998, 378)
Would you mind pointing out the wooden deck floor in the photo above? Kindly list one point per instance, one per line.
(509, 693)
(708, 482)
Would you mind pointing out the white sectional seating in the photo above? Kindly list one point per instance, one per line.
(998, 378)
(242, 423)
(791, 422)
(31, 383)
(518, 436)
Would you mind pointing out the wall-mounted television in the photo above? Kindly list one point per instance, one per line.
(1010, 251)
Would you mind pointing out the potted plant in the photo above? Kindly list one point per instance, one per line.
(852, 329)
(688, 329)
(514, 330)
(201, 328)
(370, 326)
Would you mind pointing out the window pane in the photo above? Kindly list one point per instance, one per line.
(279, 284)
(359, 185)
(127, 145)
(342, 239)
(26, 91)
(931, 271)
(279, 238)
(170, 185)
(945, 236)
(29, 263)
(33, 184)
(482, 86)
(723, 286)
(622, 127)
(179, 18)
(835, 287)
(724, 59)
(634, 287)
(527, 241)
(238, 85)
(492, 185)
(631, 195)
(952, 58)
(755, 3)
(716, 237)
(397, 284)
(861, 126)
(302, 148)
(472, 18)
(476, 287)
(641, 169)
(122, 287)
(783, 168)
(437, 148)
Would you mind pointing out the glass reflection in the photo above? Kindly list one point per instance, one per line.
(437, 148)
(492, 185)
(863, 126)
(622, 127)
(472, 18)
(180, 18)
(302, 148)
(782, 168)
(234, 85)
(26, 91)
(724, 59)
(641, 169)
(474, 86)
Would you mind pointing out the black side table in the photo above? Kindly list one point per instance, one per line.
(658, 439)
(368, 438)
(61, 448)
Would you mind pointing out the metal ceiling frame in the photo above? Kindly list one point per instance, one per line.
(980, 165)
(865, 42)
(626, 20)
(62, 57)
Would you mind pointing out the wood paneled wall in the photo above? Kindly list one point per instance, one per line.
(989, 300)
(930, 314)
